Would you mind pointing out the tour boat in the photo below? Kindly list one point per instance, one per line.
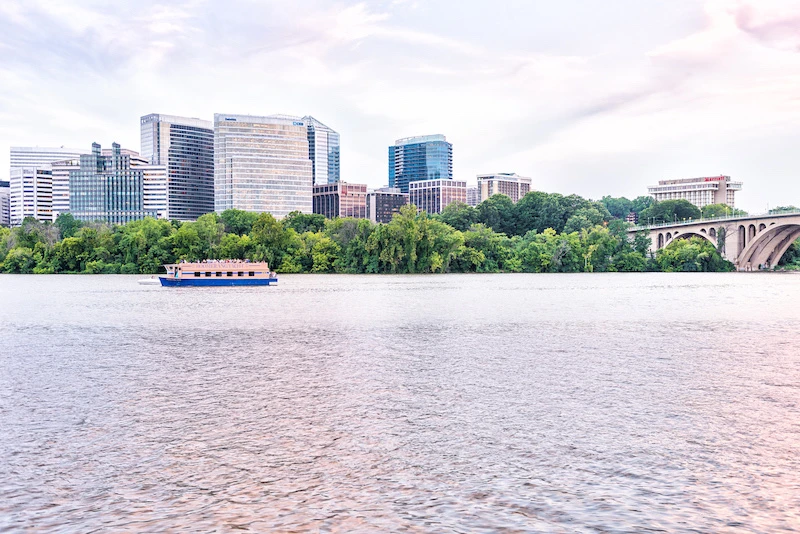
(219, 273)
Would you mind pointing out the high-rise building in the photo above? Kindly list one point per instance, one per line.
(341, 200)
(473, 196)
(116, 187)
(323, 151)
(699, 191)
(186, 147)
(432, 196)
(412, 159)
(61, 171)
(261, 164)
(508, 184)
(26, 157)
(5, 203)
(383, 203)
(31, 194)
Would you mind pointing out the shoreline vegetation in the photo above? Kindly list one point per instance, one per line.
(542, 233)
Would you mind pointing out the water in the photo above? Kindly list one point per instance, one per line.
(456, 403)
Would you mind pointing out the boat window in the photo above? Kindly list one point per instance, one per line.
(197, 274)
(251, 273)
(219, 273)
(208, 274)
(240, 273)
(230, 273)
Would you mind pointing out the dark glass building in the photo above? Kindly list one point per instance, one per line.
(412, 159)
(383, 203)
(186, 147)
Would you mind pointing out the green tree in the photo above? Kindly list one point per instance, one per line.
(67, 224)
(688, 255)
(459, 215)
(497, 212)
(669, 211)
(619, 208)
(237, 221)
(304, 222)
(720, 210)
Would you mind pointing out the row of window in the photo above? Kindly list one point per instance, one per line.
(219, 274)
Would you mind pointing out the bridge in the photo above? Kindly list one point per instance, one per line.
(750, 242)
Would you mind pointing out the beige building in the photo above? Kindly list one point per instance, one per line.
(699, 191)
(432, 196)
(31, 195)
(341, 199)
(509, 184)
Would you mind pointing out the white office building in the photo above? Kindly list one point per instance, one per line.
(509, 184)
(31, 195)
(5, 204)
(28, 157)
(262, 164)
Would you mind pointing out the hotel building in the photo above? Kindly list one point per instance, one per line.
(699, 191)
(383, 203)
(413, 159)
(261, 164)
(432, 196)
(341, 200)
(509, 184)
(323, 151)
(186, 148)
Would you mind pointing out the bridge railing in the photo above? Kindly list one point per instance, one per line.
(687, 222)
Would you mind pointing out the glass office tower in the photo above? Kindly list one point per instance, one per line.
(186, 147)
(111, 188)
(412, 159)
(261, 164)
(323, 151)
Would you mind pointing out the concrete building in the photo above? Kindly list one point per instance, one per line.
(383, 203)
(185, 147)
(26, 157)
(5, 203)
(411, 159)
(509, 184)
(432, 196)
(116, 186)
(30, 194)
(473, 196)
(341, 199)
(61, 170)
(323, 151)
(261, 164)
(699, 191)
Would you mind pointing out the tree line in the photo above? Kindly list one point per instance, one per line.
(541, 233)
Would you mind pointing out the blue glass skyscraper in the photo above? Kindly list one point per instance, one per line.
(428, 157)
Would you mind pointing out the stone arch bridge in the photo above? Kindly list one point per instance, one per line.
(751, 243)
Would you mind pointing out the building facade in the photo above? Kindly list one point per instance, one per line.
(473, 196)
(509, 184)
(261, 164)
(32, 157)
(699, 191)
(186, 148)
(341, 200)
(384, 203)
(323, 151)
(5, 203)
(432, 196)
(413, 159)
(30, 194)
(116, 187)
(61, 170)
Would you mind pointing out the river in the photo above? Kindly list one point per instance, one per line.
(432, 403)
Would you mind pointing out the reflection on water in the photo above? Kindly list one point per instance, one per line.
(589, 403)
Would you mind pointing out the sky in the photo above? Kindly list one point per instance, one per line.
(587, 97)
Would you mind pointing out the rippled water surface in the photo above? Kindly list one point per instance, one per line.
(455, 403)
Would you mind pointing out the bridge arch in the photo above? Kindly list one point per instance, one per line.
(768, 247)
(660, 242)
(688, 234)
(742, 239)
(712, 232)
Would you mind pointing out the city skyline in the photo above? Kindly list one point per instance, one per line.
(589, 99)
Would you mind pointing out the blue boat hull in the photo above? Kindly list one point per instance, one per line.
(186, 282)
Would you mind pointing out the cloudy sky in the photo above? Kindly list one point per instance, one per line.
(584, 96)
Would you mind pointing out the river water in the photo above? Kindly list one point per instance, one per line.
(452, 403)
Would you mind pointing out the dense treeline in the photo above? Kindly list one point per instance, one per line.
(541, 233)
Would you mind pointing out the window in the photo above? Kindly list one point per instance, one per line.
(208, 274)
(218, 273)
(197, 274)
(251, 273)
(240, 273)
(230, 273)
